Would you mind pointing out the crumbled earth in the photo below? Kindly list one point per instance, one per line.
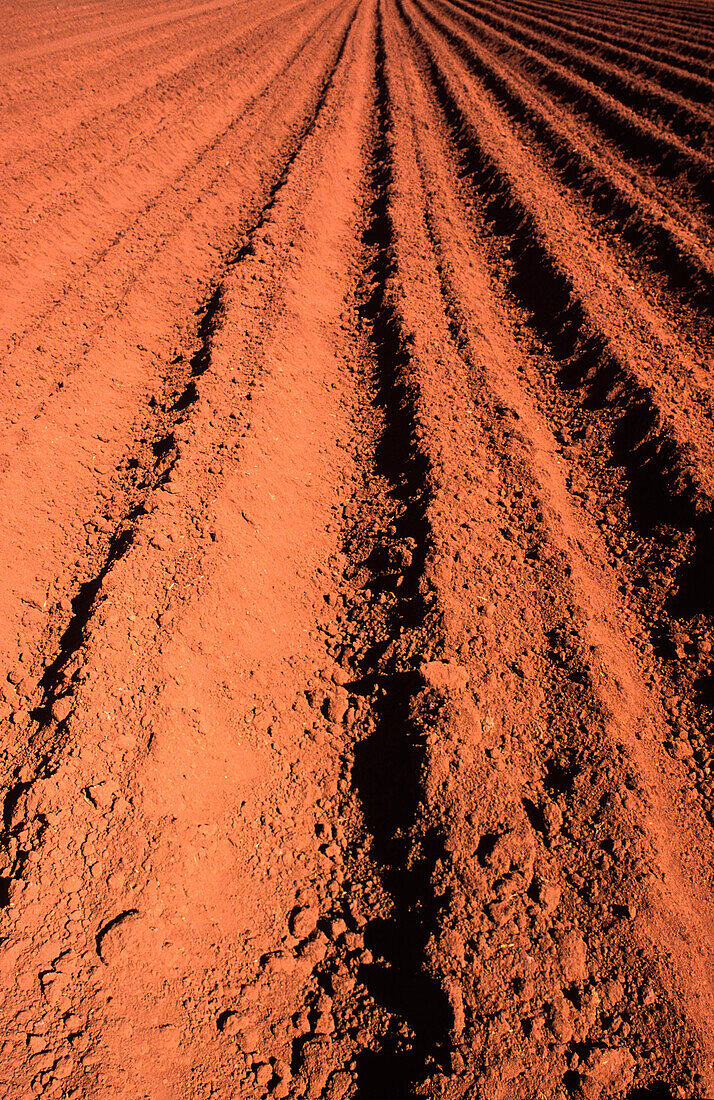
(356, 623)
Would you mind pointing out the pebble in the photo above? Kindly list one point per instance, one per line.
(342, 983)
(337, 704)
(249, 1040)
(606, 1072)
(303, 922)
(62, 708)
(573, 957)
(444, 675)
(553, 818)
(263, 1073)
(336, 929)
(324, 1024)
(548, 896)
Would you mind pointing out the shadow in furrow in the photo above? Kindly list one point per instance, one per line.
(388, 764)
(663, 492)
(246, 249)
(649, 238)
(209, 319)
(84, 602)
(210, 316)
(611, 104)
(663, 488)
(71, 640)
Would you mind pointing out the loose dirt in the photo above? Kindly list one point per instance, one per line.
(356, 437)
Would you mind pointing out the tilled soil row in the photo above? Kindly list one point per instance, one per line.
(640, 137)
(364, 749)
(656, 80)
(612, 36)
(102, 465)
(674, 112)
(576, 296)
(661, 235)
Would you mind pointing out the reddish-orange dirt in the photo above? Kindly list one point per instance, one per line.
(357, 470)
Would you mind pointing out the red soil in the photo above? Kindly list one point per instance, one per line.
(356, 622)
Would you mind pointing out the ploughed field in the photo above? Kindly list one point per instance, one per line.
(356, 549)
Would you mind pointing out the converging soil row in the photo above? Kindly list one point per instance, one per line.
(356, 628)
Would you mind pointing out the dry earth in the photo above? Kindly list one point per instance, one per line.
(356, 549)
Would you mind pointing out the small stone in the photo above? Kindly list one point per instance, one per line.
(573, 958)
(501, 912)
(64, 1067)
(263, 1074)
(62, 708)
(101, 795)
(282, 1070)
(549, 896)
(303, 922)
(458, 1065)
(249, 1040)
(560, 1023)
(230, 1023)
(283, 963)
(553, 818)
(342, 983)
(606, 1072)
(337, 928)
(515, 852)
(337, 704)
(444, 676)
(324, 1024)
(340, 1085)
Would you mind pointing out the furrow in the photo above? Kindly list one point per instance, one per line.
(572, 313)
(637, 137)
(658, 15)
(145, 231)
(676, 122)
(625, 63)
(405, 845)
(95, 463)
(69, 164)
(43, 704)
(235, 474)
(154, 68)
(358, 636)
(691, 527)
(684, 53)
(486, 424)
(649, 26)
(579, 161)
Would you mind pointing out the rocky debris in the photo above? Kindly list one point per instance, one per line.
(548, 893)
(358, 888)
(552, 818)
(606, 1072)
(337, 705)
